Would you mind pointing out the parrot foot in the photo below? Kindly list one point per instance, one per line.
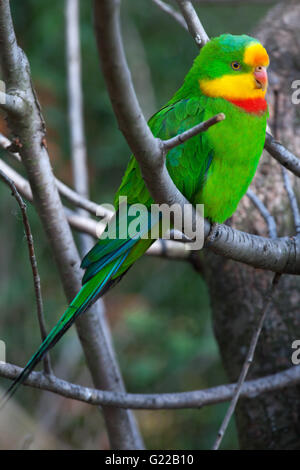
(213, 232)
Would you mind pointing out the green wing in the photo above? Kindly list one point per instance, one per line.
(187, 164)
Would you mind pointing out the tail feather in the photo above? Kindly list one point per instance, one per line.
(88, 294)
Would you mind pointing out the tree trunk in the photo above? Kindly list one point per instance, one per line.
(272, 420)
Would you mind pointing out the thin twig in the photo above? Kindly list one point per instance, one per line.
(33, 262)
(12, 104)
(247, 363)
(75, 102)
(184, 136)
(193, 22)
(286, 179)
(282, 155)
(292, 199)
(72, 196)
(272, 229)
(276, 112)
(171, 12)
(156, 401)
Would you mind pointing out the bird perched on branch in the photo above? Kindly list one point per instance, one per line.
(214, 168)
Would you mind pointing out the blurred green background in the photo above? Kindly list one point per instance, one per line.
(159, 313)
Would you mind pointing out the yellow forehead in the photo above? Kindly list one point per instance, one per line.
(255, 55)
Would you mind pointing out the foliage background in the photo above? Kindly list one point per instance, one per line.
(160, 313)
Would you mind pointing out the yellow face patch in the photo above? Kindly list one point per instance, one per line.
(256, 55)
(232, 87)
(242, 85)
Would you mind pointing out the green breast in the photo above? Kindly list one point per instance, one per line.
(238, 144)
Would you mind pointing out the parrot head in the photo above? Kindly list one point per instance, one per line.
(233, 68)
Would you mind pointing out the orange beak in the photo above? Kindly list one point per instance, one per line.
(261, 77)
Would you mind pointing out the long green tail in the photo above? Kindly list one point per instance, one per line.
(88, 294)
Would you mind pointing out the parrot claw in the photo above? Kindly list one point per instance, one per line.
(213, 232)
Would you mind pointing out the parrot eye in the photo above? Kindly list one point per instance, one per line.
(235, 65)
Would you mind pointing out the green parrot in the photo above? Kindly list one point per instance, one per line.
(214, 168)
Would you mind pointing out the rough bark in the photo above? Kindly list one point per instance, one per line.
(272, 420)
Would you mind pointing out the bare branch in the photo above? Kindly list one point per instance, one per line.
(247, 363)
(78, 143)
(12, 104)
(292, 199)
(78, 222)
(74, 198)
(194, 399)
(21, 183)
(202, 127)
(75, 103)
(282, 155)
(65, 191)
(286, 179)
(257, 251)
(171, 12)
(193, 22)
(264, 212)
(6, 144)
(33, 263)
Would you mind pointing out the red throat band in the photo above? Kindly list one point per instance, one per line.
(251, 105)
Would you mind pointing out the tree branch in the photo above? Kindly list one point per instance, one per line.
(64, 190)
(12, 104)
(77, 135)
(194, 399)
(33, 263)
(193, 22)
(247, 363)
(282, 155)
(184, 136)
(264, 212)
(292, 199)
(165, 7)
